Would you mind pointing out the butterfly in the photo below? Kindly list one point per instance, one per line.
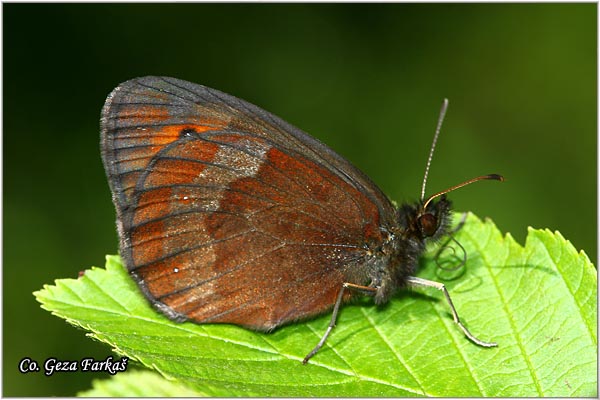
(228, 214)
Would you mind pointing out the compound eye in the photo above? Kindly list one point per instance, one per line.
(428, 224)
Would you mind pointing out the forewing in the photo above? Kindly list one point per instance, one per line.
(225, 212)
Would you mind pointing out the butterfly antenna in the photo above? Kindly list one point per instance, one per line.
(491, 177)
(435, 138)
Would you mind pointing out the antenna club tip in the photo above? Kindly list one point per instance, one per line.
(496, 177)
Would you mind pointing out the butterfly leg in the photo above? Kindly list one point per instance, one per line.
(414, 281)
(336, 308)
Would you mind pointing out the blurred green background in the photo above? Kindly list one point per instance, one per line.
(368, 80)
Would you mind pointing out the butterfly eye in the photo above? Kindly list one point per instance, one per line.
(428, 224)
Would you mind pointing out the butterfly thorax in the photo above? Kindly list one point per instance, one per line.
(405, 243)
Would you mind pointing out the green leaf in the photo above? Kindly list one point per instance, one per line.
(538, 303)
(138, 384)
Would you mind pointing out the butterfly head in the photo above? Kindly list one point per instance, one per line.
(430, 218)
(425, 221)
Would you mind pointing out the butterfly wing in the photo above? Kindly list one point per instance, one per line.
(225, 212)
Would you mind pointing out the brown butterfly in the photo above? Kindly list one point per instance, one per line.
(228, 214)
